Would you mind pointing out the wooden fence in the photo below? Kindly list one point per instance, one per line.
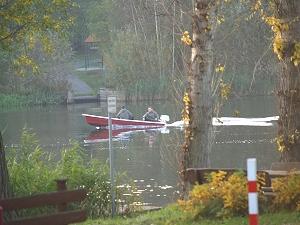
(60, 198)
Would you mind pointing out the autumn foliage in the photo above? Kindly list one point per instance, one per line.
(226, 196)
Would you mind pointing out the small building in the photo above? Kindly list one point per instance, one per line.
(90, 44)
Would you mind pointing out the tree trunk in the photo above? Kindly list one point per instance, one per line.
(287, 13)
(158, 36)
(5, 188)
(200, 84)
(173, 40)
(133, 19)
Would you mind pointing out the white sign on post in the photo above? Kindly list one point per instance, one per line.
(111, 104)
(111, 108)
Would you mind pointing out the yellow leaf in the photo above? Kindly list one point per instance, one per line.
(296, 62)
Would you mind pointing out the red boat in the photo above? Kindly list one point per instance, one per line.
(102, 121)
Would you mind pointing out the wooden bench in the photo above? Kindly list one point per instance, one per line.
(279, 169)
(60, 198)
(286, 166)
(199, 174)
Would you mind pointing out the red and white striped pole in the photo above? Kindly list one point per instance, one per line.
(252, 192)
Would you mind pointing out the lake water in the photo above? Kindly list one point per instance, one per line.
(149, 157)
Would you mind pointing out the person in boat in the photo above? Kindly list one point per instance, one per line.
(151, 115)
(124, 114)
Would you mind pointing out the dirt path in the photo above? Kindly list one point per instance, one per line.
(79, 87)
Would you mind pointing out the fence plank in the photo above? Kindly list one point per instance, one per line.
(54, 219)
(43, 199)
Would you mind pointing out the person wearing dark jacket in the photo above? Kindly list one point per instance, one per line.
(151, 115)
(124, 114)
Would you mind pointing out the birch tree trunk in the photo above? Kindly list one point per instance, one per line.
(173, 39)
(133, 19)
(200, 83)
(287, 13)
(136, 11)
(157, 31)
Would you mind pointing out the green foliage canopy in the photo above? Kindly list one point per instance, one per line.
(22, 20)
(133, 66)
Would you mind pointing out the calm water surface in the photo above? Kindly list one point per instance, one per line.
(149, 157)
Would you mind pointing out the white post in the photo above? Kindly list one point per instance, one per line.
(111, 108)
(111, 160)
(252, 191)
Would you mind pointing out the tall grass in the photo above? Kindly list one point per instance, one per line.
(33, 171)
(42, 97)
(47, 96)
(12, 100)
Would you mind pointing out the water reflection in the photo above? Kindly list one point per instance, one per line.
(124, 135)
(151, 136)
(102, 135)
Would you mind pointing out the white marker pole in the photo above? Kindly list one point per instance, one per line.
(111, 108)
(111, 160)
(252, 192)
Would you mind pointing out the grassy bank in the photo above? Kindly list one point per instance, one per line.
(94, 78)
(224, 200)
(172, 215)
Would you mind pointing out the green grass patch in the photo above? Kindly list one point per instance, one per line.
(94, 78)
(173, 215)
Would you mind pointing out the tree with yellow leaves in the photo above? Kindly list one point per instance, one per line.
(20, 23)
(285, 24)
(198, 134)
(286, 27)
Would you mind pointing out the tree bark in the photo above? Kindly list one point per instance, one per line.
(200, 84)
(287, 12)
(5, 188)
(158, 37)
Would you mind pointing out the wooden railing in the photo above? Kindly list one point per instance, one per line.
(60, 198)
(199, 174)
(280, 169)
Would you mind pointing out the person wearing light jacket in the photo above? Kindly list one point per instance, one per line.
(151, 115)
(124, 114)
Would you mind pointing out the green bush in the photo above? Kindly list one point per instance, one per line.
(33, 171)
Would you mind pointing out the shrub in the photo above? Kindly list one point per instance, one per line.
(222, 197)
(33, 171)
(287, 192)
